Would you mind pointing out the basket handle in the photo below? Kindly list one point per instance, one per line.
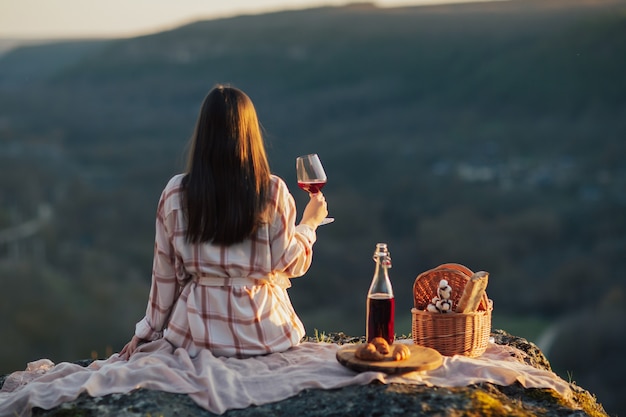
(457, 267)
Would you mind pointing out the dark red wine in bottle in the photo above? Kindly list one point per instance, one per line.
(381, 317)
(381, 304)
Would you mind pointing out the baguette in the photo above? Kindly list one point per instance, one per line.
(473, 293)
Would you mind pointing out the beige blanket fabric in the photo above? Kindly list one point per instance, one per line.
(219, 384)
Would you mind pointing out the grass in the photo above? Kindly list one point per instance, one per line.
(320, 337)
(528, 327)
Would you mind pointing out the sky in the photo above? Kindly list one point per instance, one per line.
(44, 19)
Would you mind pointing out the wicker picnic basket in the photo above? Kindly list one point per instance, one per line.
(450, 333)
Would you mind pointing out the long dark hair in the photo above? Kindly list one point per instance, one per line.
(226, 187)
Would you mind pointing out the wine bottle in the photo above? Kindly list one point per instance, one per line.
(380, 298)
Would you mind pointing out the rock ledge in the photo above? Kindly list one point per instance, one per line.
(369, 400)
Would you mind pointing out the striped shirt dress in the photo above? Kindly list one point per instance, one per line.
(231, 300)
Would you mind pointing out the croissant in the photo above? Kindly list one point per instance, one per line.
(400, 352)
(381, 345)
(368, 352)
(373, 351)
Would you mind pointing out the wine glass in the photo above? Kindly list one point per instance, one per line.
(311, 176)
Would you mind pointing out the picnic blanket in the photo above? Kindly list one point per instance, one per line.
(219, 384)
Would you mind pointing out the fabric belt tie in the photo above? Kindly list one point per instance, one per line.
(274, 278)
(227, 282)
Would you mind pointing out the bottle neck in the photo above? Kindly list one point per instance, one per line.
(381, 284)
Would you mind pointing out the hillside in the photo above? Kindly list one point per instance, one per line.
(485, 134)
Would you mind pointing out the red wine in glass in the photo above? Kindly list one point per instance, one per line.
(312, 186)
(311, 176)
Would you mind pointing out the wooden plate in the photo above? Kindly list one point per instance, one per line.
(421, 359)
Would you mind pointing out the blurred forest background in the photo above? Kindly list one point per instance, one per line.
(487, 134)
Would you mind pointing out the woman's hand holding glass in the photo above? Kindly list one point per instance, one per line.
(312, 178)
(315, 211)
